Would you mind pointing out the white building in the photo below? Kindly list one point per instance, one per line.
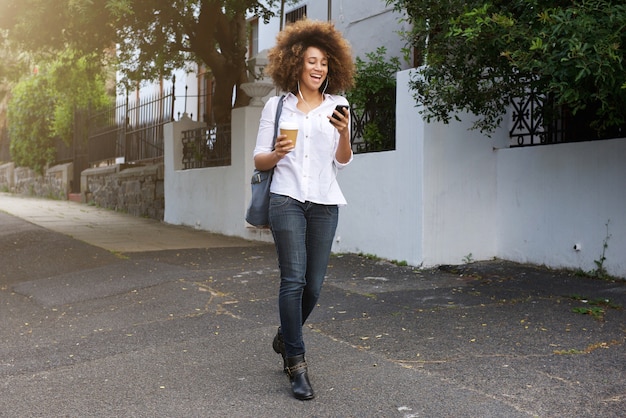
(367, 24)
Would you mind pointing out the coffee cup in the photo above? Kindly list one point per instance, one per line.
(291, 130)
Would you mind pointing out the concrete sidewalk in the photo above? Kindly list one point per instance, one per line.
(99, 321)
(111, 230)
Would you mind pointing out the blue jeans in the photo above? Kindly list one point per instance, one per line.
(303, 235)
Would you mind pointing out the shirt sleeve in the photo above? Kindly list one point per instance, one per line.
(342, 165)
(265, 136)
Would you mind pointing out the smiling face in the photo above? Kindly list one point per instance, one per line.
(314, 70)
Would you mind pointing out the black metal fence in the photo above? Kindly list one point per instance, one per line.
(132, 130)
(357, 128)
(106, 134)
(211, 146)
(64, 152)
(364, 139)
(207, 147)
(373, 129)
(538, 121)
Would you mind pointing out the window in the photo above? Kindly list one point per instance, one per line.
(295, 15)
(253, 37)
(205, 95)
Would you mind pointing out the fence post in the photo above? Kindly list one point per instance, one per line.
(80, 147)
(174, 98)
(125, 129)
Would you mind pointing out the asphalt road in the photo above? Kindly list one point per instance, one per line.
(93, 326)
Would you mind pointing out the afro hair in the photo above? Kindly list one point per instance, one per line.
(286, 58)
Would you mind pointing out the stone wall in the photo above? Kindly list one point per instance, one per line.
(137, 190)
(54, 184)
(7, 177)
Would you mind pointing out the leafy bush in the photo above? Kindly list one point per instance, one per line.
(373, 98)
(29, 116)
(42, 106)
(479, 56)
(77, 82)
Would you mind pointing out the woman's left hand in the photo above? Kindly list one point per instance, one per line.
(341, 120)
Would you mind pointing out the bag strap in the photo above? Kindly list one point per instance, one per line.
(279, 109)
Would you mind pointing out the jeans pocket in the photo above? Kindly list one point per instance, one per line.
(277, 200)
(332, 210)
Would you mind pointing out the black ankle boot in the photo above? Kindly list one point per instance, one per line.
(279, 347)
(299, 377)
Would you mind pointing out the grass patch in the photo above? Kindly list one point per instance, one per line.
(594, 307)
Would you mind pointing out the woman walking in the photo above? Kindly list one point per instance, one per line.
(311, 62)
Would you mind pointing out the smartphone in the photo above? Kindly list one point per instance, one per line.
(340, 110)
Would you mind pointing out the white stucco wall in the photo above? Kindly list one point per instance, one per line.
(384, 190)
(215, 198)
(445, 195)
(460, 198)
(431, 201)
(552, 197)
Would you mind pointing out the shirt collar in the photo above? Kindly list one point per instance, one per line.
(292, 99)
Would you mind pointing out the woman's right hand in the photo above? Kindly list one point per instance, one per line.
(268, 160)
(283, 146)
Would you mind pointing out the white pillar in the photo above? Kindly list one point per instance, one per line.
(173, 157)
(245, 126)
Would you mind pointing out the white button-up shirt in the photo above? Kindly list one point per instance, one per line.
(309, 172)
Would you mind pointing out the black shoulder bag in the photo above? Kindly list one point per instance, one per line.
(258, 211)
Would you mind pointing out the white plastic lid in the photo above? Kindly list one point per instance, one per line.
(290, 126)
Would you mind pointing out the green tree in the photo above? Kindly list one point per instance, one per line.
(30, 128)
(76, 82)
(13, 65)
(42, 106)
(151, 37)
(480, 55)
